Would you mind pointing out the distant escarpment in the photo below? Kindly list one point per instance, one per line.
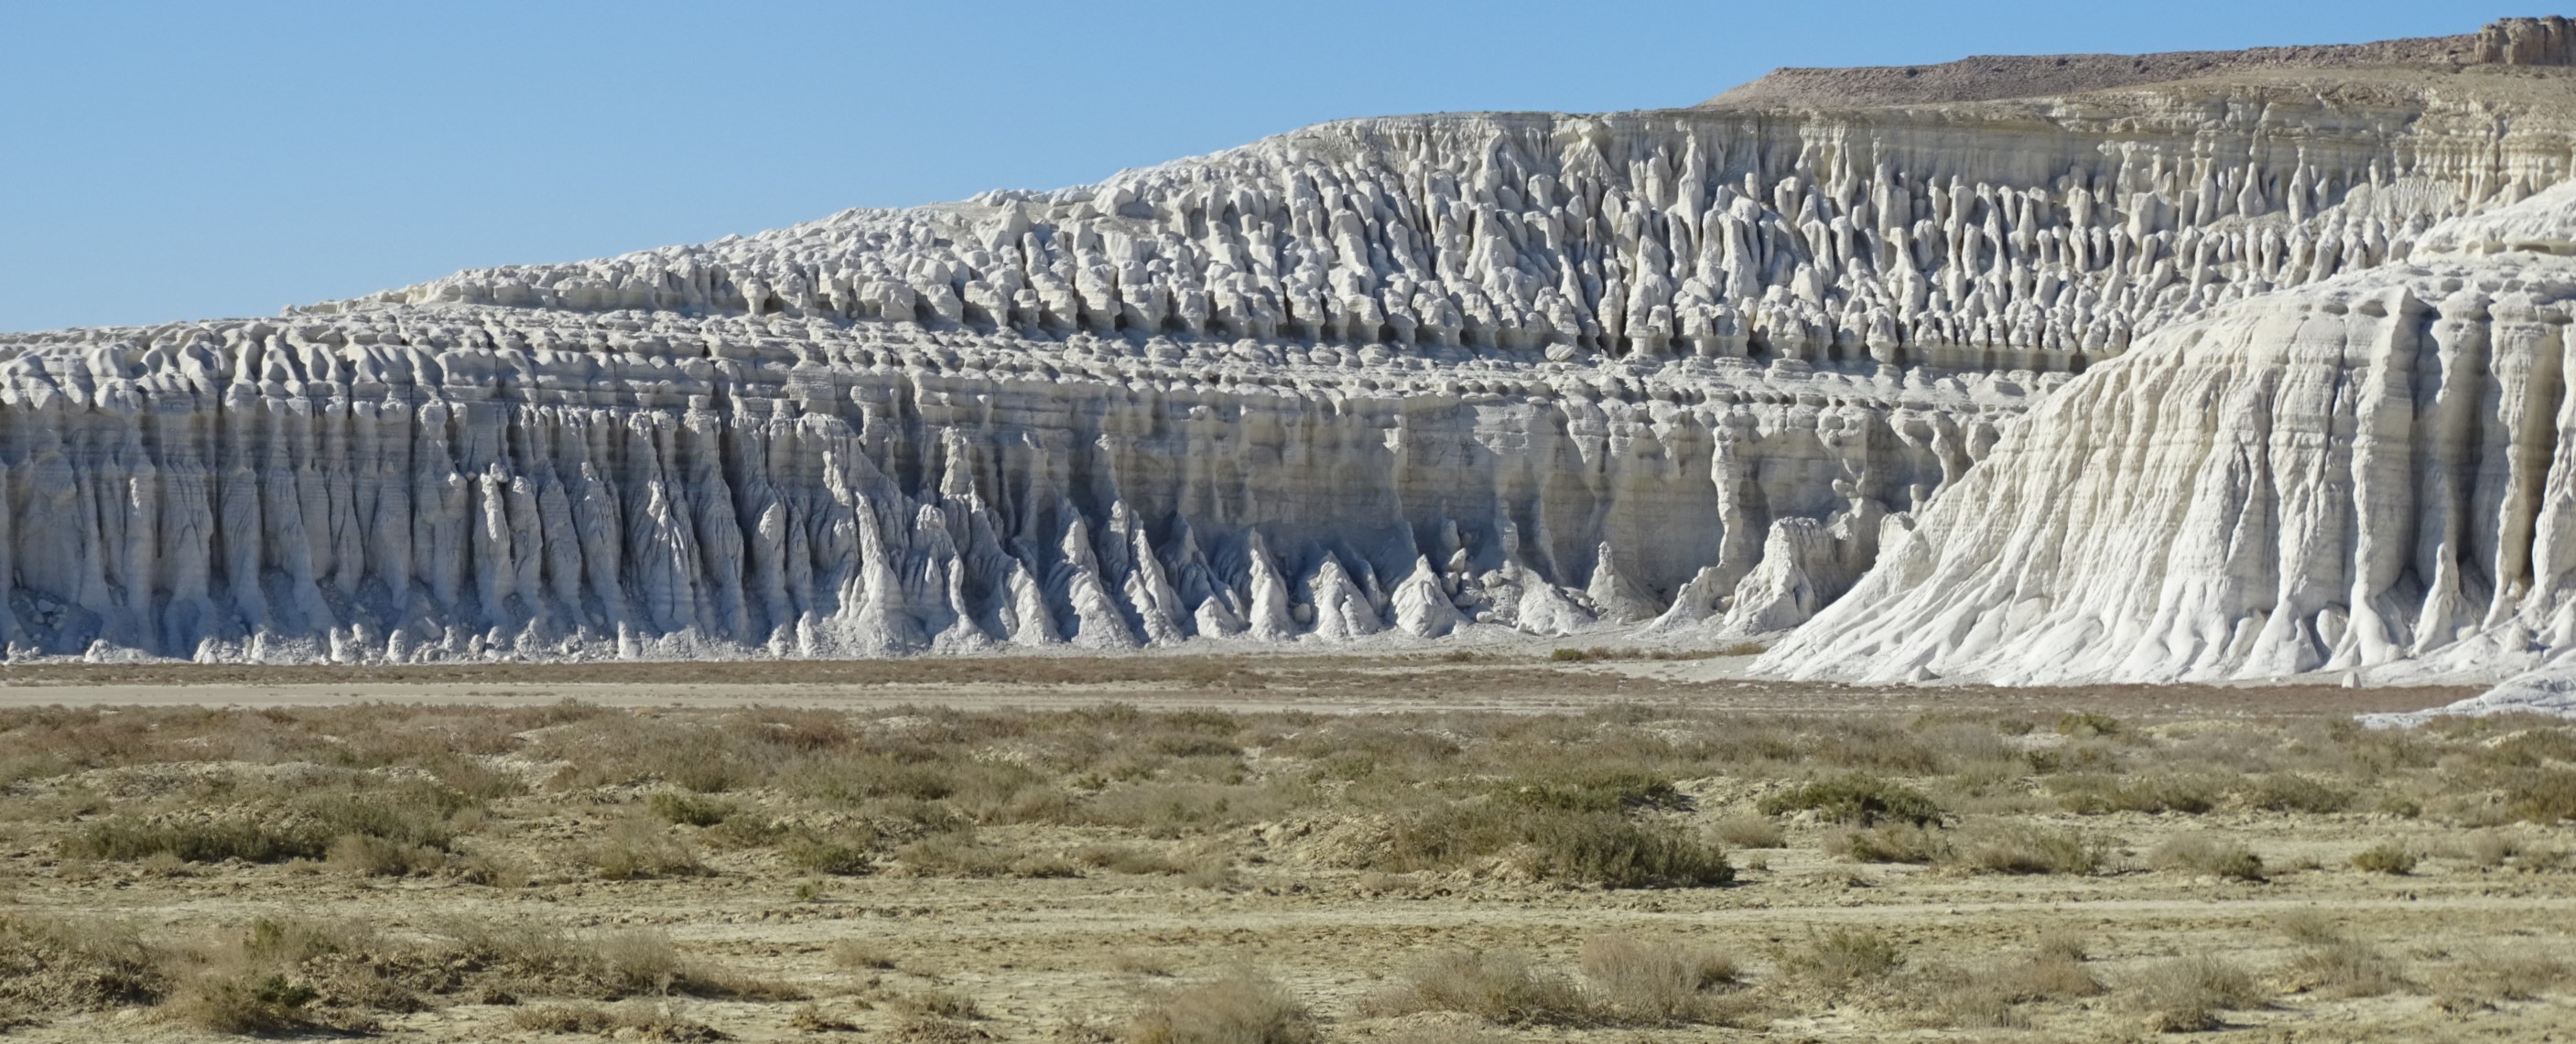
(1411, 377)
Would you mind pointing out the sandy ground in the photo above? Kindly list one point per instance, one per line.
(1321, 684)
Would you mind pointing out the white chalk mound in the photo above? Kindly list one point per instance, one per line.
(2545, 690)
(2373, 473)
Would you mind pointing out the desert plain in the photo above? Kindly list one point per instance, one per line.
(1468, 846)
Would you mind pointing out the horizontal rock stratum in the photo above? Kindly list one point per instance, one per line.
(1673, 371)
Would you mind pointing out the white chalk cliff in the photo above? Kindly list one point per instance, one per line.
(2374, 472)
(1688, 371)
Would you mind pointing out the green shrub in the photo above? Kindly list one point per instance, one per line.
(1859, 799)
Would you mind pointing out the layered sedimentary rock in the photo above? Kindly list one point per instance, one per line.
(2376, 473)
(468, 480)
(1676, 369)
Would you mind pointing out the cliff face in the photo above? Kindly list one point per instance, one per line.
(1408, 375)
(404, 482)
(2377, 472)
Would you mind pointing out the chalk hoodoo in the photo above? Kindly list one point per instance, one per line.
(1689, 371)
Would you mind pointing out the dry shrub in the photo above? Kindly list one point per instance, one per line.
(959, 853)
(861, 955)
(78, 965)
(1657, 983)
(2093, 794)
(2291, 792)
(1175, 809)
(695, 810)
(531, 959)
(1842, 957)
(1857, 798)
(1496, 985)
(2196, 854)
(939, 1004)
(1242, 1008)
(2013, 848)
(2386, 857)
(212, 841)
(2347, 968)
(2518, 975)
(1127, 859)
(2186, 994)
(1750, 831)
(2490, 848)
(377, 857)
(1593, 789)
(243, 1003)
(930, 1029)
(630, 1021)
(2543, 796)
(641, 849)
(1888, 843)
(843, 854)
(1611, 849)
(1989, 995)
(811, 1018)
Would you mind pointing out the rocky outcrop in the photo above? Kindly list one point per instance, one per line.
(2374, 474)
(1686, 371)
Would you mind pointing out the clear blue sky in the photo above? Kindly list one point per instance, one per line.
(178, 160)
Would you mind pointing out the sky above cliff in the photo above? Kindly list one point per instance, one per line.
(163, 161)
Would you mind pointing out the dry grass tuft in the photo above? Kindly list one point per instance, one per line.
(2507, 976)
(641, 849)
(2187, 994)
(860, 955)
(631, 1021)
(2012, 848)
(2197, 854)
(1496, 985)
(1658, 982)
(1843, 956)
(1888, 843)
(1244, 1007)
(939, 1004)
(2386, 857)
(1750, 831)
